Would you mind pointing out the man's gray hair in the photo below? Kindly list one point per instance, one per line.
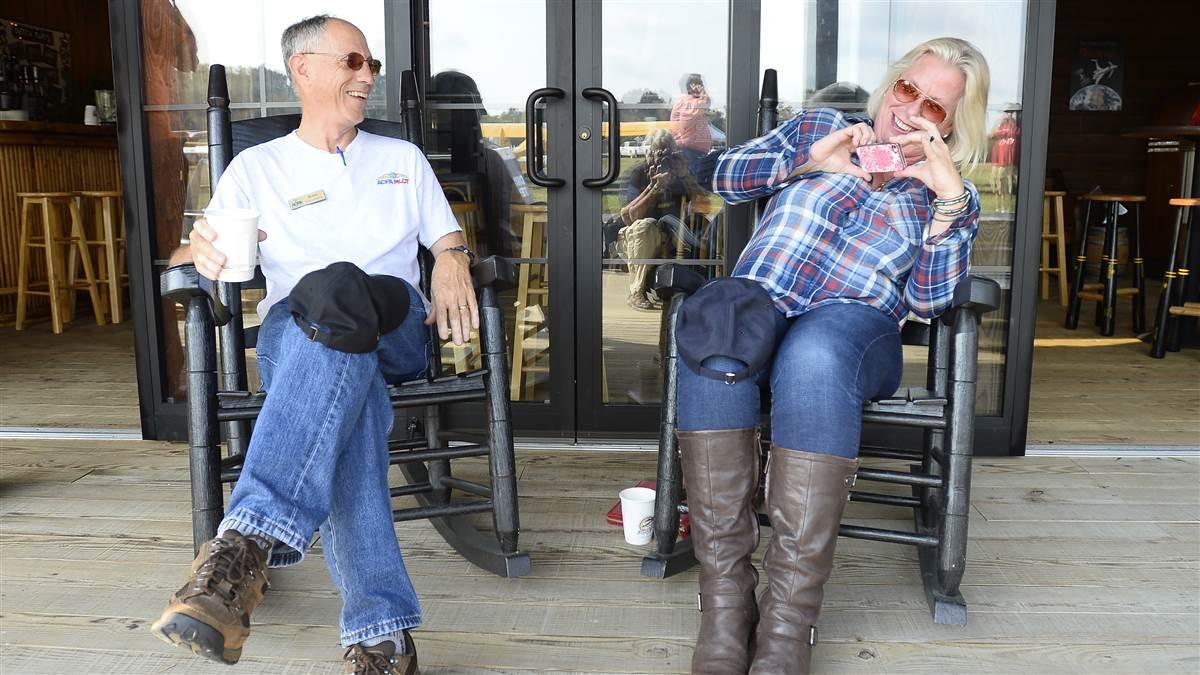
(303, 36)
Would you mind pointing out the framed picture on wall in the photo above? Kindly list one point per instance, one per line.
(1097, 76)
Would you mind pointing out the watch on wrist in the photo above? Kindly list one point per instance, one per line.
(462, 248)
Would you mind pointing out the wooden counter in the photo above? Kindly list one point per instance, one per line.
(44, 157)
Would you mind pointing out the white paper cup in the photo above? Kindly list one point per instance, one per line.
(637, 514)
(237, 238)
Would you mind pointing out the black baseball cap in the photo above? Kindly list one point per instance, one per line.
(731, 317)
(346, 309)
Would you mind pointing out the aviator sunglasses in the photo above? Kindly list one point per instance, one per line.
(355, 61)
(907, 92)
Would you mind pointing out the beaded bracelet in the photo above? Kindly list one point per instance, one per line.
(956, 210)
(959, 200)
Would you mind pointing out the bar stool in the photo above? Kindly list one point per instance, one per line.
(532, 294)
(1053, 232)
(106, 231)
(1171, 305)
(58, 287)
(1105, 292)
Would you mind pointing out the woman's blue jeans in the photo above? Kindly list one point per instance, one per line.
(829, 361)
(318, 458)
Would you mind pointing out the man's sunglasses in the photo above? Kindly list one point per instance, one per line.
(907, 92)
(354, 61)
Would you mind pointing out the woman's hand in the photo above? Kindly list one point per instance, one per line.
(937, 172)
(832, 153)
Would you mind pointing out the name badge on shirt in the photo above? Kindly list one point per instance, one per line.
(304, 200)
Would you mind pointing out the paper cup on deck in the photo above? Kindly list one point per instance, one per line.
(637, 514)
(237, 238)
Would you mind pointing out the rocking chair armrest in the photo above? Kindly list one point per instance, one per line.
(974, 294)
(495, 271)
(181, 283)
(672, 278)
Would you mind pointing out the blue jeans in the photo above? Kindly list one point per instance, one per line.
(829, 361)
(318, 458)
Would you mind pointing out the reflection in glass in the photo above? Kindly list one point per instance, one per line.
(660, 210)
(475, 111)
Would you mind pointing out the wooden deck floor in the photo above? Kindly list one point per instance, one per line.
(1075, 566)
(83, 377)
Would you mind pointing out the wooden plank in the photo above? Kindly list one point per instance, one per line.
(581, 557)
(314, 629)
(1156, 513)
(444, 652)
(290, 586)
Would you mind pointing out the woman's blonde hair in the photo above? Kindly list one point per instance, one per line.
(968, 140)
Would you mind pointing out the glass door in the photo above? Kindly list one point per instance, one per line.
(497, 113)
(665, 65)
(563, 147)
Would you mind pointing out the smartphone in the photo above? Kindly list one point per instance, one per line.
(881, 157)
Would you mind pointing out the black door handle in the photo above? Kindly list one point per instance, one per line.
(614, 136)
(533, 138)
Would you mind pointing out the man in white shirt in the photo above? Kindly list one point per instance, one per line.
(318, 457)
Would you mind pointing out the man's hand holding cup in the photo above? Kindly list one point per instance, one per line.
(224, 244)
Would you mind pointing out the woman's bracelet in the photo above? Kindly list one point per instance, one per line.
(956, 201)
(958, 208)
(952, 213)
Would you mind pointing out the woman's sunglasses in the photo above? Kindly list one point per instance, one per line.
(907, 92)
(354, 61)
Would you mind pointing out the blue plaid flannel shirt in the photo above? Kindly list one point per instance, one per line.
(827, 238)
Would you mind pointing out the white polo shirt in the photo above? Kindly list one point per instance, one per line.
(374, 207)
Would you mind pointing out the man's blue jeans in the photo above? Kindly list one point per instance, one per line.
(828, 363)
(318, 459)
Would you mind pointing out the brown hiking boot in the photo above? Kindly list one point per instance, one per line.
(382, 659)
(211, 613)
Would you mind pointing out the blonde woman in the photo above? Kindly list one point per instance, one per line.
(844, 255)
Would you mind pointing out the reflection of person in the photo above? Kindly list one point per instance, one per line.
(170, 48)
(653, 195)
(473, 158)
(1003, 156)
(689, 119)
(845, 96)
(844, 255)
(318, 457)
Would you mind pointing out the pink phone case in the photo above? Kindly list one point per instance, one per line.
(880, 157)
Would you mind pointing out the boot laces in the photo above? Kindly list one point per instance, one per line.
(367, 662)
(226, 570)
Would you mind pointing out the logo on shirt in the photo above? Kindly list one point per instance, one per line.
(392, 178)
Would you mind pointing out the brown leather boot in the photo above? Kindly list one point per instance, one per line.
(211, 613)
(720, 471)
(382, 659)
(806, 495)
